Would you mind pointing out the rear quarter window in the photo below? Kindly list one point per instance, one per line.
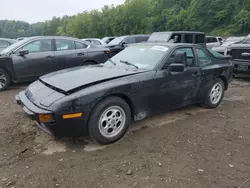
(199, 38)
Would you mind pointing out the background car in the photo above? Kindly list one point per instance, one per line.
(95, 41)
(212, 41)
(5, 42)
(191, 37)
(108, 39)
(227, 43)
(119, 43)
(142, 80)
(30, 58)
(240, 53)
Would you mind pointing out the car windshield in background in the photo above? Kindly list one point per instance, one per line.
(14, 46)
(158, 37)
(117, 40)
(247, 38)
(233, 39)
(143, 57)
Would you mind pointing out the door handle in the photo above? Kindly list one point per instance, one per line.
(196, 74)
(49, 57)
(80, 54)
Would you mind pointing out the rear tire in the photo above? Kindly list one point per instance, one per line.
(215, 94)
(109, 120)
(4, 80)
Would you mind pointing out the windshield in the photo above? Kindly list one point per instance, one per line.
(14, 46)
(247, 38)
(117, 40)
(230, 39)
(157, 37)
(141, 56)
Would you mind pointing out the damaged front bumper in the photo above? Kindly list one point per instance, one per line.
(59, 127)
(241, 68)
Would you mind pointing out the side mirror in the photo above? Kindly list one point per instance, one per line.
(123, 44)
(23, 52)
(176, 67)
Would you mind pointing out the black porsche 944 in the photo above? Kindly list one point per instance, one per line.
(144, 79)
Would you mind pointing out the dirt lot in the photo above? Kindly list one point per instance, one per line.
(191, 147)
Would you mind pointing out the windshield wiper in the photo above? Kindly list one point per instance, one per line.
(127, 63)
(110, 60)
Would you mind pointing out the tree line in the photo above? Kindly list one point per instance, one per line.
(215, 17)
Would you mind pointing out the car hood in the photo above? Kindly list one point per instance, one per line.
(69, 80)
(241, 45)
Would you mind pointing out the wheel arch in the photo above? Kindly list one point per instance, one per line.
(90, 61)
(225, 81)
(119, 95)
(126, 99)
(7, 70)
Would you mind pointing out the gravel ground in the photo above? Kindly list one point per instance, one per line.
(191, 147)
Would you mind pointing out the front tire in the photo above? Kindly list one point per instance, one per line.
(109, 120)
(4, 80)
(215, 94)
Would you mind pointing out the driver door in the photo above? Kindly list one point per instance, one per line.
(177, 89)
(39, 61)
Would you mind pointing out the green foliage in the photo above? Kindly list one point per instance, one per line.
(218, 17)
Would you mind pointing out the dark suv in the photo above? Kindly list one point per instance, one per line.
(119, 43)
(192, 37)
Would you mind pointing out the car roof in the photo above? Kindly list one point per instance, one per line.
(190, 32)
(8, 40)
(214, 36)
(171, 45)
(144, 35)
(55, 37)
(91, 39)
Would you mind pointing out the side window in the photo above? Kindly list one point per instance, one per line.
(220, 39)
(80, 45)
(3, 44)
(138, 39)
(211, 40)
(62, 44)
(38, 46)
(176, 38)
(188, 38)
(199, 39)
(203, 58)
(96, 42)
(130, 40)
(189, 53)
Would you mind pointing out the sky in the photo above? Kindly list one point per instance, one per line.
(40, 10)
